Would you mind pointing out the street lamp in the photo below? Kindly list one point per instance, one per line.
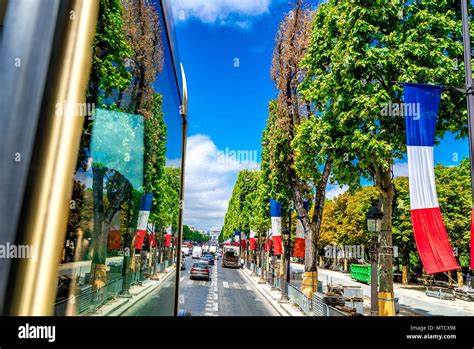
(374, 224)
(285, 278)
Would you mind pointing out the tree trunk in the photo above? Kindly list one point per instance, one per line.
(98, 267)
(460, 278)
(386, 189)
(405, 263)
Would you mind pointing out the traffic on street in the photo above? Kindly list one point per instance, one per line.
(227, 293)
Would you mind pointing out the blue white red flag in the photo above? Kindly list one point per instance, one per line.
(421, 104)
(275, 213)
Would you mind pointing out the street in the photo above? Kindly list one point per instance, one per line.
(227, 294)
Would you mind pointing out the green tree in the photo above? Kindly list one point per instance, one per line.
(240, 209)
(370, 48)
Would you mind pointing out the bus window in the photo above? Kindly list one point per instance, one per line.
(98, 189)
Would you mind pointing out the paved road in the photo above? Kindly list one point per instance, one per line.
(157, 303)
(227, 294)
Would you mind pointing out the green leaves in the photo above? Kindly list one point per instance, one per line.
(357, 57)
(241, 209)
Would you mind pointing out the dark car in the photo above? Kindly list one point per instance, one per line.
(210, 258)
(200, 271)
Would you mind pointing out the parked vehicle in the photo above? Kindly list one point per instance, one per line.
(200, 271)
(197, 252)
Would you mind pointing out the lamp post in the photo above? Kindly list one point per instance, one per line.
(374, 223)
(285, 274)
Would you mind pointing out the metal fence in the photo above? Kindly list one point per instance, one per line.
(311, 306)
(89, 300)
(322, 309)
(298, 298)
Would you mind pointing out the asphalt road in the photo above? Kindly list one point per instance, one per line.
(228, 293)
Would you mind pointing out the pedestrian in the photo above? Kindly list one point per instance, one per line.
(469, 280)
(241, 263)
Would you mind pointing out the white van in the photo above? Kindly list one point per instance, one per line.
(197, 252)
(185, 250)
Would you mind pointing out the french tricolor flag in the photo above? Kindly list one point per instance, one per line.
(275, 213)
(253, 246)
(268, 241)
(236, 237)
(168, 236)
(431, 237)
(299, 248)
(145, 207)
(244, 241)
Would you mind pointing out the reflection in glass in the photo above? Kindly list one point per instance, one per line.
(123, 223)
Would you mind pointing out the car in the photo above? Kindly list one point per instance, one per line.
(210, 258)
(200, 271)
(204, 260)
(183, 261)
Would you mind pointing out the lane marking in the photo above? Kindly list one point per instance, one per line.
(236, 285)
(182, 278)
(216, 307)
(225, 284)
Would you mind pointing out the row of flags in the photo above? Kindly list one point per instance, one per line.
(144, 229)
(273, 236)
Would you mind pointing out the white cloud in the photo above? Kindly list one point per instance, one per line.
(209, 182)
(222, 12)
(334, 190)
(400, 169)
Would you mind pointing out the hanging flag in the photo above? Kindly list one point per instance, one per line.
(145, 207)
(114, 240)
(244, 241)
(228, 242)
(168, 236)
(299, 249)
(275, 213)
(151, 235)
(421, 104)
(268, 241)
(236, 237)
(253, 245)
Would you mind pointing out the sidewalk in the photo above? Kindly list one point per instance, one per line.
(412, 301)
(118, 306)
(272, 296)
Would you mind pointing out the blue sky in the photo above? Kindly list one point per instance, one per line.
(226, 48)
